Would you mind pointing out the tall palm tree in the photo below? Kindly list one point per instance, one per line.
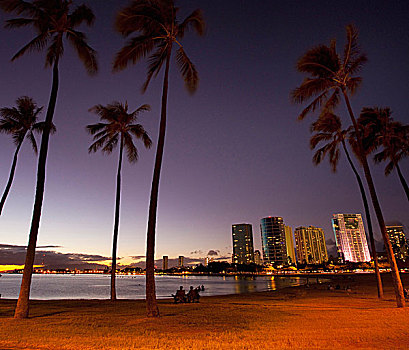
(380, 130)
(118, 126)
(20, 122)
(52, 20)
(157, 31)
(332, 76)
(328, 127)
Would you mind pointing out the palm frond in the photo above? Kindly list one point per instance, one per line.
(86, 53)
(54, 51)
(140, 133)
(95, 128)
(37, 44)
(195, 21)
(156, 61)
(135, 49)
(316, 103)
(353, 84)
(18, 22)
(81, 14)
(319, 61)
(309, 88)
(131, 151)
(389, 168)
(141, 16)
(319, 137)
(95, 146)
(110, 144)
(351, 49)
(31, 138)
(40, 127)
(188, 70)
(18, 7)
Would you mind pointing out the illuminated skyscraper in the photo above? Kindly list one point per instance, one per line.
(310, 243)
(350, 237)
(243, 251)
(273, 240)
(181, 260)
(289, 244)
(398, 240)
(257, 257)
(165, 261)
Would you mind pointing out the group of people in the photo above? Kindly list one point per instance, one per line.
(191, 297)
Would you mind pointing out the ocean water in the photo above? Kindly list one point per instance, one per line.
(94, 286)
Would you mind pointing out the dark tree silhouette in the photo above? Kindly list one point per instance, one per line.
(117, 125)
(380, 130)
(52, 20)
(157, 30)
(332, 76)
(21, 123)
(328, 128)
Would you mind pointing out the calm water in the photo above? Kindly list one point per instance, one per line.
(133, 287)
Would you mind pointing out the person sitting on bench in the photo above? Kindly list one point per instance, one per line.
(193, 295)
(180, 296)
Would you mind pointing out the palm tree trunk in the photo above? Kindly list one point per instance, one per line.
(22, 308)
(116, 222)
(401, 178)
(369, 221)
(397, 283)
(152, 309)
(11, 176)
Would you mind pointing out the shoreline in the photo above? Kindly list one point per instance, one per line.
(298, 317)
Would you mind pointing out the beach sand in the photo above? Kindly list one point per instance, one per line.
(296, 318)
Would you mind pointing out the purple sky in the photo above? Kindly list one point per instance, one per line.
(234, 151)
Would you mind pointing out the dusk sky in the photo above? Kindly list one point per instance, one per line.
(234, 151)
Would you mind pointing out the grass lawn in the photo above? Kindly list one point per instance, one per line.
(299, 318)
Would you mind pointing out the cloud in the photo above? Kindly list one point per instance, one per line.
(138, 257)
(213, 252)
(15, 255)
(197, 252)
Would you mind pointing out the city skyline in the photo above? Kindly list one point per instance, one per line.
(231, 156)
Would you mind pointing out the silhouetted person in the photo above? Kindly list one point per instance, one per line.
(193, 295)
(180, 296)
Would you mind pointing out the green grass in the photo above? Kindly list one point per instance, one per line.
(294, 318)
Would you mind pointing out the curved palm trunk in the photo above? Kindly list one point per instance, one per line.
(24, 296)
(397, 283)
(11, 177)
(151, 304)
(116, 222)
(369, 221)
(401, 178)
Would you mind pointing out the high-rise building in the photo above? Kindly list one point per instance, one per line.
(257, 257)
(243, 251)
(350, 237)
(206, 261)
(181, 260)
(398, 241)
(165, 261)
(310, 244)
(273, 240)
(289, 244)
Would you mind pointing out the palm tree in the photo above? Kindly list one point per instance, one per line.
(380, 130)
(328, 127)
(52, 20)
(157, 30)
(118, 126)
(332, 76)
(20, 122)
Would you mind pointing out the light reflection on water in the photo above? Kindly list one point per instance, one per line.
(133, 287)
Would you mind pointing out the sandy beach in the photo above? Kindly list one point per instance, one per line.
(297, 317)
